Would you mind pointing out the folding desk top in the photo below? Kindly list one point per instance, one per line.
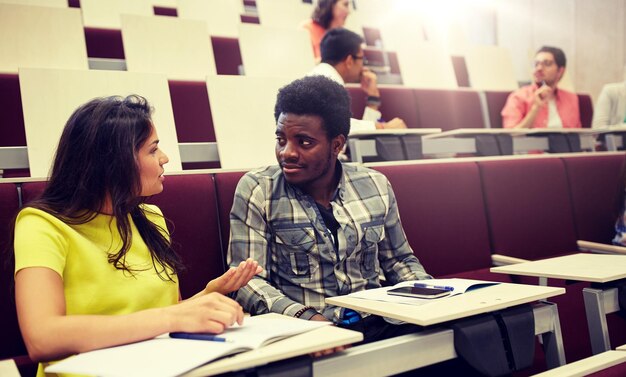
(320, 339)
(50, 96)
(275, 52)
(243, 119)
(180, 49)
(106, 14)
(490, 68)
(43, 37)
(446, 309)
(222, 16)
(436, 72)
(273, 13)
(598, 268)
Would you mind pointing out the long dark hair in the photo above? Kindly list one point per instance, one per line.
(323, 13)
(97, 158)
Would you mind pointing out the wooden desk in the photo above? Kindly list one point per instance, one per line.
(363, 143)
(440, 341)
(595, 268)
(302, 344)
(613, 136)
(524, 140)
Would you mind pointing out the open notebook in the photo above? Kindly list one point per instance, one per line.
(164, 356)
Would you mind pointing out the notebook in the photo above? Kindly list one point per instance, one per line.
(164, 356)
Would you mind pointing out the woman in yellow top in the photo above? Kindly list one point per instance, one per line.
(94, 266)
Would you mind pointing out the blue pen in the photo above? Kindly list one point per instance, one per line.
(444, 287)
(197, 336)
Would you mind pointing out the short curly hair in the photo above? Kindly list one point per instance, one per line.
(317, 95)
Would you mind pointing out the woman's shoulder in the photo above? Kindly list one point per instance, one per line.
(32, 214)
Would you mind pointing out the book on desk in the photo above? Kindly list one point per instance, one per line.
(166, 356)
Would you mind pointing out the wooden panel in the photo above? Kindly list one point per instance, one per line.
(48, 104)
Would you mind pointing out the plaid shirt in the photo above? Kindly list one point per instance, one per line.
(280, 226)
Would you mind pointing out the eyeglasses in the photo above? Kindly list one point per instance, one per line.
(543, 63)
(362, 57)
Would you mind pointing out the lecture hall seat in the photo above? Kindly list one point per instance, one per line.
(189, 202)
(225, 185)
(448, 109)
(11, 343)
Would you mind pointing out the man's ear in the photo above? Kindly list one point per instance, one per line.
(560, 72)
(337, 144)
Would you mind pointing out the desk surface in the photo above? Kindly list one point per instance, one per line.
(515, 132)
(302, 344)
(392, 131)
(597, 268)
(479, 301)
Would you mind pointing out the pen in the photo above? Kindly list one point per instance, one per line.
(197, 336)
(444, 287)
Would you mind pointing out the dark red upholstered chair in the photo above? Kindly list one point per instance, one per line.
(618, 370)
(448, 109)
(585, 106)
(443, 215)
(104, 43)
(12, 132)
(528, 207)
(189, 203)
(396, 102)
(225, 185)
(399, 102)
(593, 182)
(165, 11)
(192, 115)
(495, 103)
(460, 71)
(32, 190)
(11, 343)
(357, 100)
(371, 36)
(249, 19)
(530, 216)
(594, 187)
(394, 66)
(227, 55)
(11, 114)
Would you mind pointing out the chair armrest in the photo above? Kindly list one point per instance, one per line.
(600, 248)
(505, 260)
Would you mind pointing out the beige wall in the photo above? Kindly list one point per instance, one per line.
(592, 33)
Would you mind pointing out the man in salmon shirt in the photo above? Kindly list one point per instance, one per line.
(542, 104)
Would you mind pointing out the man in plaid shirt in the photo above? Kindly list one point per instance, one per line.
(319, 228)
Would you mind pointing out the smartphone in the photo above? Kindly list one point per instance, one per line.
(419, 292)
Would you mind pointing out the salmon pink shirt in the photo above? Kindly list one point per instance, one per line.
(520, 101)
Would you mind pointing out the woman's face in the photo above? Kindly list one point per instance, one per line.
(341, 10)
(151, 160)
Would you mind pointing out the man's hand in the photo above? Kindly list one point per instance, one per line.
(369, 83)
(395, 123)
(329, 351)
(542, 95)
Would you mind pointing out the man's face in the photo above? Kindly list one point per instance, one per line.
(303, 150)
(355, 69)
(546, 69)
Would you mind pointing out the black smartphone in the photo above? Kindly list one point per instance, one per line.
(419, 292)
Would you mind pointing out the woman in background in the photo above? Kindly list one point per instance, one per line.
(328, 14)
(94, 266)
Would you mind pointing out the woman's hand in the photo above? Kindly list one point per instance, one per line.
(234, 278)
(211, 313)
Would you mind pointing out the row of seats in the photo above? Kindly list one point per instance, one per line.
(194, 118)
(456, 214)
